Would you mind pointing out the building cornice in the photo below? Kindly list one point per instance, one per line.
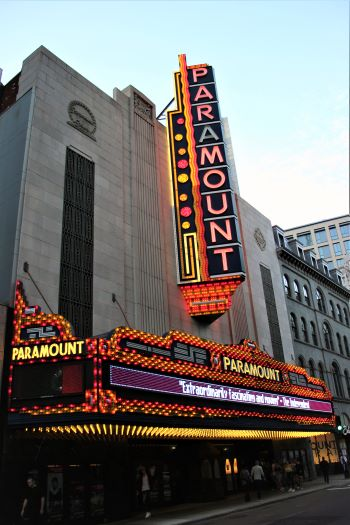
(288, 255)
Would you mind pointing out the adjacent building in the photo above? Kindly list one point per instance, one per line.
(330, 240)
(318, 309)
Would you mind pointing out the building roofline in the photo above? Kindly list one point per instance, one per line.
(317, 222)
(285, 253)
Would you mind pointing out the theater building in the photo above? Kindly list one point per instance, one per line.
(141, 275)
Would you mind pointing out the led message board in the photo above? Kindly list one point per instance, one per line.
(132, 374)
(210, 260)
(140, 380)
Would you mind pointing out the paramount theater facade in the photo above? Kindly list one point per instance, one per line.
(189, 409)
(162, 383)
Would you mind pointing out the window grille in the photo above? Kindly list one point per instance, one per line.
(76, 275)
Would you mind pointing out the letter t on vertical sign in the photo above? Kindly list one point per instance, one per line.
(209, 250)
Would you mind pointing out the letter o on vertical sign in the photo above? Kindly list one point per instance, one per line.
(217, 184)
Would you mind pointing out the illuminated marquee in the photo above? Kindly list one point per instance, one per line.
(210, 260)
(132, 374)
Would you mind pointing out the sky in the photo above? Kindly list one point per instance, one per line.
(281, 68)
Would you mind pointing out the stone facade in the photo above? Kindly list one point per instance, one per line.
(318, 302)
(253, 311)
(134, 254)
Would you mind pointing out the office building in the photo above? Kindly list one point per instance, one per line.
(330, 240)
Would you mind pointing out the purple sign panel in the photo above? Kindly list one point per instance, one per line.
(140, 380)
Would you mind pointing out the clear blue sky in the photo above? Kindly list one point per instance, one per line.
(282, 72)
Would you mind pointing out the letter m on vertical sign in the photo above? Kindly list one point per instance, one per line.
(208, 243)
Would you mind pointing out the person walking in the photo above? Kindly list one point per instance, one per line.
(289, 476)
(258, 477)
(144, 489)
(246, 480)
(299, 475)
(324, 465)
(277, 475)
(33, 505)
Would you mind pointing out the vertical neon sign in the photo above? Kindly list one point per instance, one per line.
(210, 259)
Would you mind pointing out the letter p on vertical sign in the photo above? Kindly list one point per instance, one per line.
(199, 72)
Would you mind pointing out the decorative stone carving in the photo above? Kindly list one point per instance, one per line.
(82, 118)
(260, 239)
(142, 107)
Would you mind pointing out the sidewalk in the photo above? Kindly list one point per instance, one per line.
(194, 512)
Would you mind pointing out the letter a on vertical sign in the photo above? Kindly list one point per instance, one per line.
(209, 251)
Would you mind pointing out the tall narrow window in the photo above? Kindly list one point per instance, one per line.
(313, 333)
(328, 341)
(294, 326)
(347, 381)
(346, 317)
(272, 315)
(312, 368)
(304, 330)
(332, 309)
(321, 371)
(345, 229)
(320, 301)
(321, 236)
(301, 361)
(76, 275)
(339, 314)
(337, 380)
(296, 290)
(340, 346)
(306, 294)
(346, 346)
(333, 233)
(286, 285)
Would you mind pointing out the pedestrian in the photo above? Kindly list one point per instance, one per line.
(299, 475)
(258, 477)
(324, 465)
(289, 476)
(144, 490)
(33, 505)
(277, 475)
(345, 465)
(246, 481)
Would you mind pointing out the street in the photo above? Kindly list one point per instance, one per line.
(325, 507)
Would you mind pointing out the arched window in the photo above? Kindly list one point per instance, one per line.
(337, 380)
(321, 371)
(304, 330)
(347, 381)
(339, 314)
(286, 285)
(301, 361)
(313, 333)
(297, 290)
(320, 301)
(340, 346)
(346, 346)
(332, 309)
(312, 368)
(327, 335)
(306, 295)
(294, 326)
(346, 317)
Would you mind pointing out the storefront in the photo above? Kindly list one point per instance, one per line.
(88, 413)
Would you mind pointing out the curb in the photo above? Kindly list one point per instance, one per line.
(166, 519)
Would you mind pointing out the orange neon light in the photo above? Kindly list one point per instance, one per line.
(147, 351)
